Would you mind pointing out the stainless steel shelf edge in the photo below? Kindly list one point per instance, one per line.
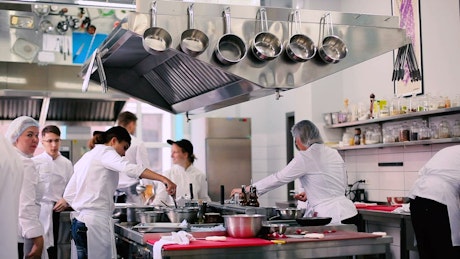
(402, 144)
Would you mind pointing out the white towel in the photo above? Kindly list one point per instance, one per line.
(181, 238)
(405, 208)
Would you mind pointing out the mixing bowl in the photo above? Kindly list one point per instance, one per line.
(242, 225)
(178, 215)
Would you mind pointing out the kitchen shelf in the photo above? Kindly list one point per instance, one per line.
(402, 117)
(414, 115)
(399, 144)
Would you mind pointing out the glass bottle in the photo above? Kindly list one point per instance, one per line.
(243, 197)
(404, 133)
(414, 131)
(357, 137)
(444, 129)
(253, 197)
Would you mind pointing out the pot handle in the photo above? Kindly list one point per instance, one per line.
(154, 14)
(226, 14)
(263, 20)
(191, 23)
(294, 18)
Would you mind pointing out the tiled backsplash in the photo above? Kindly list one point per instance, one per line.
(384, 181)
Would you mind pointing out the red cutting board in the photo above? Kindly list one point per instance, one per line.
(381, 207)
(339, 235)
(230, 242)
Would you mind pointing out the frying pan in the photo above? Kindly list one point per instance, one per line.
(333, 49)
(230, 48)
(313, 221)
(156, 39)
(299, 47)
(265, 45)
(193, 41)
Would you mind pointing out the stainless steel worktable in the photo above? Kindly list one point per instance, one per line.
(305, 249)
(322, 249)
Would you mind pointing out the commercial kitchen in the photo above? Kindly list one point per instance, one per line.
(59, 73)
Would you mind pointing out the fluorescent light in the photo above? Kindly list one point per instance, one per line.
(13, 80)
(106, 4)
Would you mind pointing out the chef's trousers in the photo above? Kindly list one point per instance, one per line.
(432, 229)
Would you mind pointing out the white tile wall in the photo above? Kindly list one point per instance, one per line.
(385, 181)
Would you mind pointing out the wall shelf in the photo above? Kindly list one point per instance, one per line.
(403, 117)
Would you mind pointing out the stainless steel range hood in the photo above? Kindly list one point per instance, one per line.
(176, 82)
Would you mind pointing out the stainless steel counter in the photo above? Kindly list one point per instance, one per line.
(401, 220)
(320, 249)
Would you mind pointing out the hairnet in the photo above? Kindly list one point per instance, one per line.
(307, 132)
(18, 126)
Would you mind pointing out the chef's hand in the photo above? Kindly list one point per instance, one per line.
(37, 248)
(300, 196)
(170, 187)
(60, 205)
(235, 191)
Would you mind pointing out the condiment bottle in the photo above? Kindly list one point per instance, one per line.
(243, 196)
(253, 197)
(357, 137)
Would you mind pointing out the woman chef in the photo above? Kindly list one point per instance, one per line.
(23, 134)
(322, 174)
(91, 188)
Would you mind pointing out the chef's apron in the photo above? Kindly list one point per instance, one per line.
(100, 235)
(46, 218)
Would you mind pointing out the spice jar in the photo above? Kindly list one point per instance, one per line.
(357, 137)
(456, 129)
(444, 129)
(404, 133)
(414, 131)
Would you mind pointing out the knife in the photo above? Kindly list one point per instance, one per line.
(80, 49)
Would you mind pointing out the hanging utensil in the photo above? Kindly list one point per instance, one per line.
(156, 39)
(299, 47)
(100, 70)
(230, 47)
(332, 49)
(193, 41)
(265, 45)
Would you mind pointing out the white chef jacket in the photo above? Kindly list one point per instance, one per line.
(439, 180)
(29, 201)
(136, 154)
(11, 176)
(54, 174)
(321, 172)
(90, 193)
(183, 178)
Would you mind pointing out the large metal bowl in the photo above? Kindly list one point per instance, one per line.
(242, 225)
(290, 213)
(178, 215)
(150, 216)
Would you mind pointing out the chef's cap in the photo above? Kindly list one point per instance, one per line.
(18, 126)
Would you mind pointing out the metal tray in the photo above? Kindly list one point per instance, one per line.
(159, 227)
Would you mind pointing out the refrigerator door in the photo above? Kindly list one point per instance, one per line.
(228, 163)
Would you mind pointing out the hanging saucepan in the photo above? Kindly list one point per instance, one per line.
(299, 47)
(156, 39)
(193, 41)
(265, 45)
(230, 48)
(332, 49)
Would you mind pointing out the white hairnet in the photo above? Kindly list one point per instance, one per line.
(18, 126)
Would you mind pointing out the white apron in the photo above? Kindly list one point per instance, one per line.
(100, 235)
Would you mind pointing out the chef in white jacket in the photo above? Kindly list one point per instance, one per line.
(23, 134)
(11, 175)
(55, 171)
(435, 206)
(90, 192)
(321, 172)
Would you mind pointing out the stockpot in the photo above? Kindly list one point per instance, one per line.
(299, 47)
(265, 45)
(156, 39)
(193, 41)
(230, 48)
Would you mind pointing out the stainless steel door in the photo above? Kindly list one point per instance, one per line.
(228, 163)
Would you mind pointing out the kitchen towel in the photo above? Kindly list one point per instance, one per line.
(181, 238)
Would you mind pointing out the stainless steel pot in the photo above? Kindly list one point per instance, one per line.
(156, 39)
(150, 216)
(333, 49)
(193, 41)
(265, 45)
(178, 215)
(230, 48)
(242, 225)
(299, 47)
